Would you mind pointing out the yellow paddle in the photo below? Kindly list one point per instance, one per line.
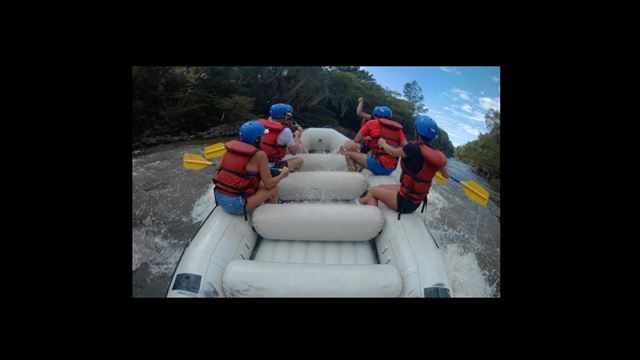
(194, 161)
(215, 150)
(472, 189)
(197, 162)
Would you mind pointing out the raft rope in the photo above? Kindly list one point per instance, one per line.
(433, 237)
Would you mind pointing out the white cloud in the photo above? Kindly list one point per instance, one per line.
(462, 94)
(489, 103)
(453, 123)
(496, 79)
(475, 116)
(470, 113)
(450, 70)
(469, 129)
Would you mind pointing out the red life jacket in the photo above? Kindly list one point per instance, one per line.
(270, 146)
(232, 179)
(363, 120)
(415, 187)
(390, 131)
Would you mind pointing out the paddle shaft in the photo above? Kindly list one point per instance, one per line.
(454, 179)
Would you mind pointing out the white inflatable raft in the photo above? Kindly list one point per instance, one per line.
(319, 243)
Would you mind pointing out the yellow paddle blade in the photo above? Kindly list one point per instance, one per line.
(215, 150)
(475, 192)
(194, 162)
(439, 178)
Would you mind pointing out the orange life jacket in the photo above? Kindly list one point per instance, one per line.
(391, 132)
(232, 178)
(270, 146)
(415, 187)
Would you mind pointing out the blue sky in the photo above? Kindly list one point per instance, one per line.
(457, 97)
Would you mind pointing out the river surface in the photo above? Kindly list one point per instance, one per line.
(170, 203)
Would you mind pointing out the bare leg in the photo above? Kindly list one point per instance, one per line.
(385, 193)
(295, 163)
(349, 146)
(262, 195)
(355, 157)
(302, 148)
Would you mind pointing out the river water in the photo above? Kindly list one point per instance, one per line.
(170, 203)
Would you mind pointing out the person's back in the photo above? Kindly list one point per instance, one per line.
(242, 168)
(380, 127)
(418, 168)
(419, 163)
(387, 129)
(280, 138)
(270, 144)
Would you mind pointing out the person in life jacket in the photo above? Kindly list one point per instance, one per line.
(237, 184)
(380, 127)
(352, 145)
(294, 127)
(280, 138)
(419, 163)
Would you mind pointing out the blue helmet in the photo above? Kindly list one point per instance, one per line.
(382, 111)
(279, 110)
(426, 127)
(290, 108)
(251, 131)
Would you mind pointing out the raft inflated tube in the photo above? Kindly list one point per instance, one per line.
(322, 185)
(317, 222)
(244, 278)
(322, 140)
(321, 162)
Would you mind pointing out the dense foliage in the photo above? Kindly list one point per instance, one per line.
(188, 100)
(484, 153)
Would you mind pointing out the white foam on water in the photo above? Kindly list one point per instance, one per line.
(147, 246)
(464, 273)
(203, 206)
(435, 203)
(150, 246)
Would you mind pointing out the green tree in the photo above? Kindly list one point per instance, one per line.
(174, 100)
(484, 153)
(443, 143)
(413, 93)
(492, 118)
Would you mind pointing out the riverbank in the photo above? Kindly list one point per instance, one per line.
(220, 131)
(494, 184)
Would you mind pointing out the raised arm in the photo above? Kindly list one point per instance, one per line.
(359, 110)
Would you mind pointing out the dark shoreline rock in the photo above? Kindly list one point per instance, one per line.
(224, 130)
(219, 131)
